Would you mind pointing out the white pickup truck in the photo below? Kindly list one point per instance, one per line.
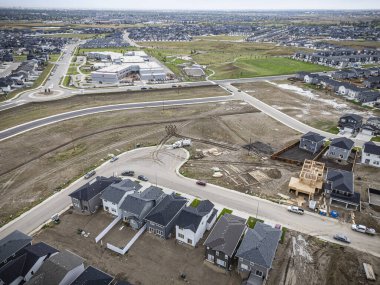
(296, 210)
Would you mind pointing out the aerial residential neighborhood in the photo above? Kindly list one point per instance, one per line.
(203, 142)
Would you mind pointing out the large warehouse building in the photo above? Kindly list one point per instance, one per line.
(121, 66)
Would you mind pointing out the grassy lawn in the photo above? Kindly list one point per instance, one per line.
(265, 66)
(76, 36)
(54, 57)
(325, 125)
(81, 51)
(19, 58)
(195, 203)
(232, 59)
(33, 111)
(376, 139)
(251, 222)
(72, 69)
(39, 81)
(224, 211)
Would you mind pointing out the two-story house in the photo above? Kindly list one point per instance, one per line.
(86, 199)
(137, 205)
(258, 249)
(13, 245)
(193, 222)
(339, 188)
(222, 242)
(93, 276)
(162, 218)
(350, 122)
(311, 142)
(113, 196)
(371, 154)
(340, 149)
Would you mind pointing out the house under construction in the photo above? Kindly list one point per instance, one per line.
(310, 180)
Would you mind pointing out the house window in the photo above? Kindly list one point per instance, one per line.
(107, 209)
(217, 253)
(181, 236)
(221, 262)
(259, 273)
(210, 257)
(189, 241)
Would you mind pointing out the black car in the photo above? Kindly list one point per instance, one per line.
(342, 237)
(142, 178)
(128, 173)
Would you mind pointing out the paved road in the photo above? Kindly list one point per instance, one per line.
(160, 168)
(11, 132)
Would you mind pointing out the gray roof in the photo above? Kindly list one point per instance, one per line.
(12, 243)
(93, 188)
(355, 117)
(190, 217)
(343, 143)
(54, 269)
(371, 148)
(311, 136)
(93, 276)
(226, 234)
(166, 210)
(138, 203)
(115, 192)
(259, 245)
(341, 180)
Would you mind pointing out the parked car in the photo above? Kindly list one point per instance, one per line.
(142, 178)
(359, 228)
(296, 210)
(342, 237)
(89, 174)
(114, 158)
(201, 182)
(370, 231)
(128, 173)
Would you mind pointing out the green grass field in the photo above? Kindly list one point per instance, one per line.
(232, 59)
(220, 38)
(264, 66)
(82, 51)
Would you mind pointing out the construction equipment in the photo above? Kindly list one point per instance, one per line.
(182, 143)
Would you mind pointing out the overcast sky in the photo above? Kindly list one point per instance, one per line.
(195, 4)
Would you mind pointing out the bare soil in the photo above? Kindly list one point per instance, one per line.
(32, 111)
(303, 259)
(151, 260)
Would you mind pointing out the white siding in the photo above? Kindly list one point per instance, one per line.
(72, 275)
(371, 159)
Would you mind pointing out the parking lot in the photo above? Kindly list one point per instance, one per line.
(151, 260)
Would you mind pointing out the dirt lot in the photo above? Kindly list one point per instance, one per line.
(265, 134)
(303, 259)
(27, 176)
(32, 111)
(151, 260)
(313, 107)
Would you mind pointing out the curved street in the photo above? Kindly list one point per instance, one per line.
(160, 167)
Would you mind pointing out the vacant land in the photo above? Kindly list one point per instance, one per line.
(35, 164)
(220, 38)
(32, 111)
(357, 44)
(231, 59)
(151, 260)
(303, 259)
(313, 107)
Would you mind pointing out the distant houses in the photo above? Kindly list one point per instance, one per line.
(311, 142)
(340, 148)
(371, 154)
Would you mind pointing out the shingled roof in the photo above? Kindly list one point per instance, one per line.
(93, 188)
(93, 276)
(343, 143)
(13, 243)
(259, 245)
(166, 210)
(226, 234)
(371, 148)
(311, 136)
(340, 180)
(116, 191)
(190, 217)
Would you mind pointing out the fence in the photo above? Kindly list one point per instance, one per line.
(129, 244)
(107, 229)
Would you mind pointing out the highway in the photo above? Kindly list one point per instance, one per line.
(160, 167)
